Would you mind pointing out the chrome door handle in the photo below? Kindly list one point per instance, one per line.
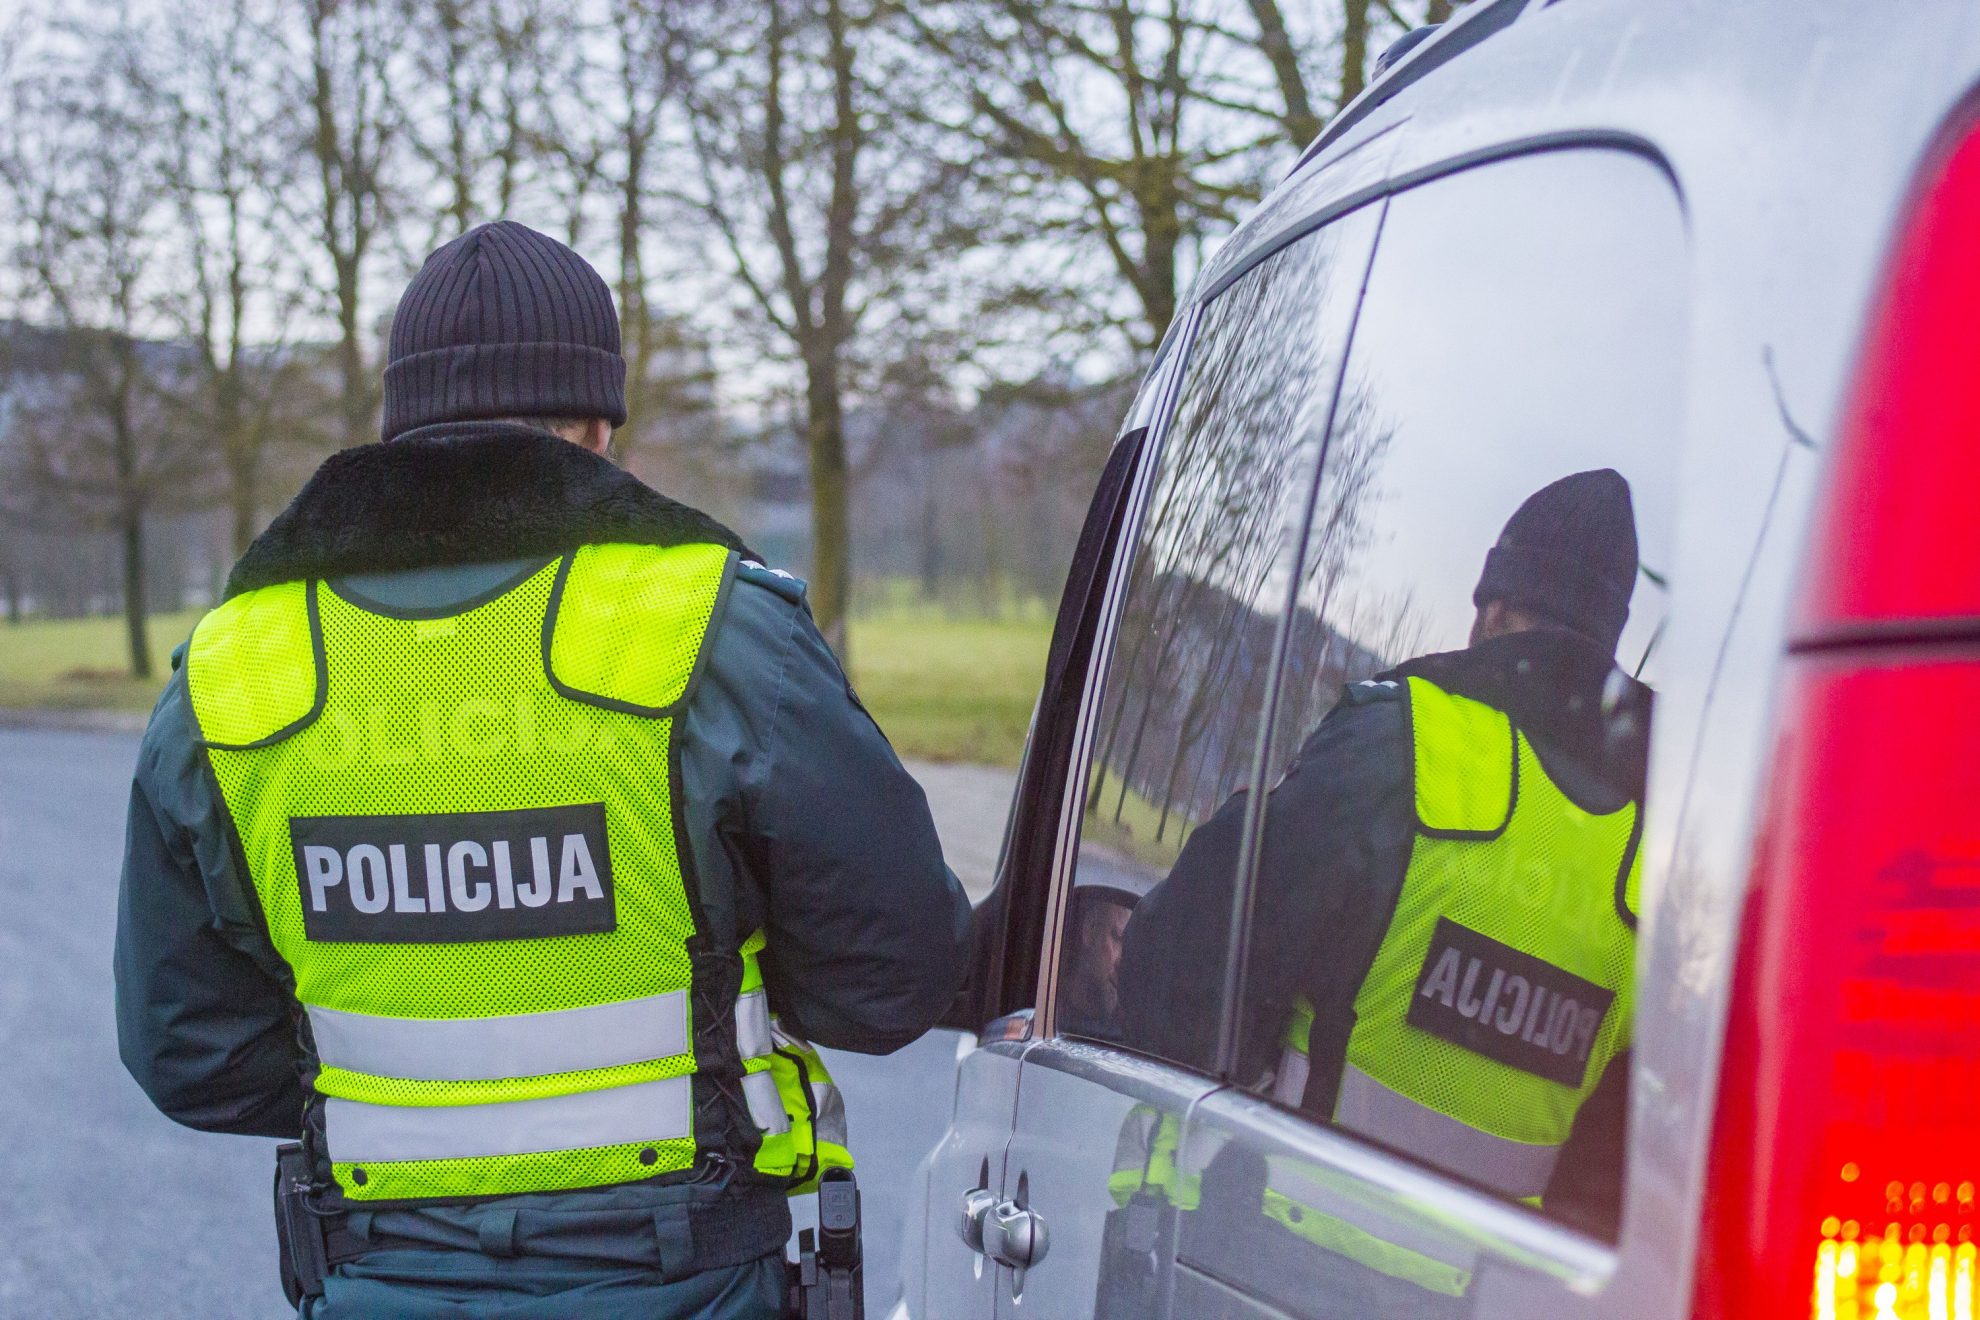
(977, 1203)
(1016, 1237)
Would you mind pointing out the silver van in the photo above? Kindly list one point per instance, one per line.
(1730, 251)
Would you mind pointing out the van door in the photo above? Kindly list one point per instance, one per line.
(945, 1270)
(1165, 757)
(1397, 1143)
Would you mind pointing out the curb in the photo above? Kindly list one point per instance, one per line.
(72, 721)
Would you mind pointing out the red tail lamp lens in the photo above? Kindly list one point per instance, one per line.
(1847, 1152)
(1900, 536)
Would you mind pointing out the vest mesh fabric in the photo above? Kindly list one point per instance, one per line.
(457, 714)
(1546, 886)
(254, 665)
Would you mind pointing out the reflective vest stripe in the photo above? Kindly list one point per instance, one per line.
(829, 1122)
(1515, 1168)
(516, 1045)
(753, 1025)
(1344, 1239)
(1295, 1069)
(766, 1104)
(1386, 1243)
(359, 1133)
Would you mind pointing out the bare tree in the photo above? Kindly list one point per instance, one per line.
(1140, 125)
(824, 204)
(484, 74)
(1138, 130)
(244, 289)
(342, 93)
(86, 184)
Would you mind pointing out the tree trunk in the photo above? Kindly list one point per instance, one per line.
(1162, 234)
(831, 548)
(1354, 49)
(350, 358)
(1302, 124)
(244, 499)
(132, 529)
(931, 528)
(1437, 11)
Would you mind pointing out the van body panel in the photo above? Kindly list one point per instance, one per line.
(1792, 134)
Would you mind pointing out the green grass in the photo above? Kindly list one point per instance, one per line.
(949, 689)
(84, 664)
(1131, 825)
(944, 689)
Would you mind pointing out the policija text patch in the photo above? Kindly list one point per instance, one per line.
(455, 876)
(1507, 1005)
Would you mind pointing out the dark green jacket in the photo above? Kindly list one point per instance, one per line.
(801, 820)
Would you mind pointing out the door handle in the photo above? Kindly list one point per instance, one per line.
(977, 1203)
(1016, 1236)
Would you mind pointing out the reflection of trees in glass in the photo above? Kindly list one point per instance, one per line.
(1341, 635)
(1196, 631)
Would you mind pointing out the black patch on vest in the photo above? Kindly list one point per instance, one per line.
(453, 877)
(1494, 1000)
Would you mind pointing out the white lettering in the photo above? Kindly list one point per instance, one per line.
(1584, 1036)
(1514, 1011)
(537, 892)
(505, 880)
(576, 870)
(325, 868)
(1560, 1031)
(1467, 1002)
(458, 856)
(370, 890)
(436, 879)
(402, 895)
(1442, 985)
(1535, 1012)
(1491, 994)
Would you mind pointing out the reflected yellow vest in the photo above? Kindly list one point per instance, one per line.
(1505, 982)
(462, 832)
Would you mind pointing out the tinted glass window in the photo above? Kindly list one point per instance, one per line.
(1183, 696)
(1442, 947)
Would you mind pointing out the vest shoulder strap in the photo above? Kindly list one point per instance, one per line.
(627, 624)
(255, 669)
(1465, 764)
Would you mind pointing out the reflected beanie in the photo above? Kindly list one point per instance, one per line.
(503, 322)
(1568, 555)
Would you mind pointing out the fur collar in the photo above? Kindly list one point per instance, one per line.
(462, 493)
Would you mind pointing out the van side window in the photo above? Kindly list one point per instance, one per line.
(1442, 953)
(1175, 740)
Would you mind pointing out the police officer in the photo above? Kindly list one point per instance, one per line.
(484, 824)
(1443, 939)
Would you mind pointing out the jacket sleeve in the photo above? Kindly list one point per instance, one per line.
(203, 1023)
(867, 927)
(1331, 859)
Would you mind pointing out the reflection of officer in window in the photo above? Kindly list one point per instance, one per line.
(1443, 934)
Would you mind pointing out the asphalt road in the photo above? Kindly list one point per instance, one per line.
(108, 1209)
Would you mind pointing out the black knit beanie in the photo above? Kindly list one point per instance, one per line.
(504, 322)
(1568, 555)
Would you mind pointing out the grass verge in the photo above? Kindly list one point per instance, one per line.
(951, 689)
(84, 664)
(944, 689)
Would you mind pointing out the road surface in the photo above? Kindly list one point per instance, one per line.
(111, 1210)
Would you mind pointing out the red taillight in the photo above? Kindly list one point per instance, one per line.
(1845, 1162)
(1901, 539)
(1846, 1156)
